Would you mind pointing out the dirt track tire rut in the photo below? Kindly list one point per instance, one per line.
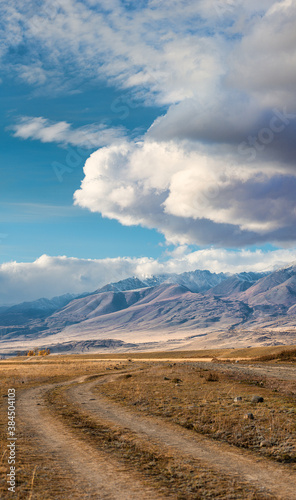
(97, 475)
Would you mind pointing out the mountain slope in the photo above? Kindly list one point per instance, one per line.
(234, 285)
(276, 289)
(167, 308)
(96, 305)
(25, 312)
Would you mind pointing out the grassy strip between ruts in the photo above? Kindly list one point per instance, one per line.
(175, 475)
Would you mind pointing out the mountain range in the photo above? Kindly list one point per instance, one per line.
(169, 311)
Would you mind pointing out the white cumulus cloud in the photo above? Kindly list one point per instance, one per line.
(190, 195)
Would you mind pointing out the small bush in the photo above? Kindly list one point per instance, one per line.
(212, 377)
(44, 352)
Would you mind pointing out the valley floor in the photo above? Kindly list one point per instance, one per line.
(154, 429)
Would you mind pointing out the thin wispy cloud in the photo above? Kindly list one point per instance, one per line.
(149, 48)
(167, 51)
(44, 130)
(36, 212)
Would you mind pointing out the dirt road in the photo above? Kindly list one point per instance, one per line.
(98, 474)
(260, 472)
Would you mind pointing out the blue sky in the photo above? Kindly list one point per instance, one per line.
(143, 137)
(36, 209)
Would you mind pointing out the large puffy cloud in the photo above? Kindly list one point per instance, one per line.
(217, 121)
(218, 166)
(52, 276)
(190, 195)
(264, 62)
(217, 67)
(236, 122)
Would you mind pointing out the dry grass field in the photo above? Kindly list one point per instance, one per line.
(204, 400)
(66, 428)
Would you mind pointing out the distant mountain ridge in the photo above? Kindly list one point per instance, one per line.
(196, 281)
(192, 308)
(233, 285)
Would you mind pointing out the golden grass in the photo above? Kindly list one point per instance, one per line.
(203, 401)
(252, 352)
(284, 355)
